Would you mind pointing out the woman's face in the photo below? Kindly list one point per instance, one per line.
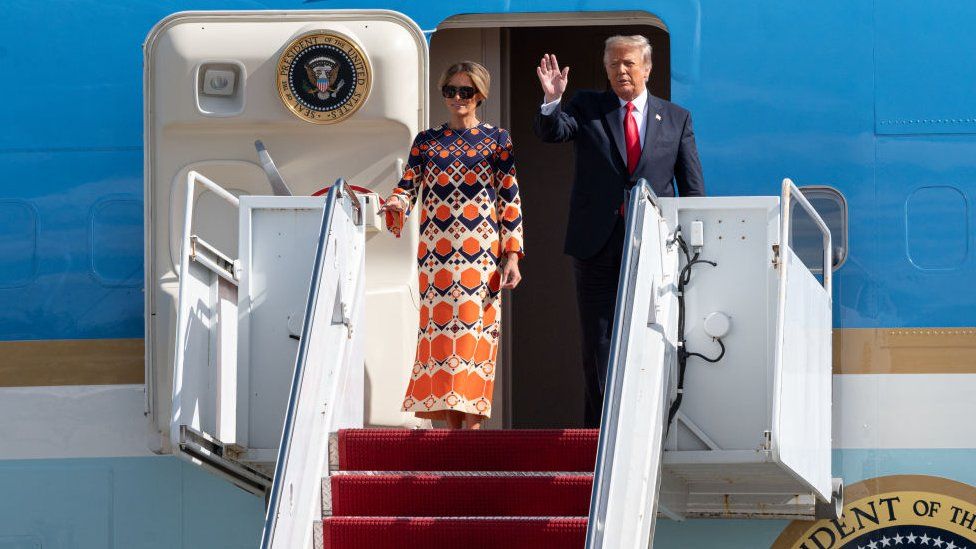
(458, 106)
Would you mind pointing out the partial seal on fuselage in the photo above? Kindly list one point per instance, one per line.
(323, 77)
(893, 512)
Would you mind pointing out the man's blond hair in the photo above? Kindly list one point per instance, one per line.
(635, 41)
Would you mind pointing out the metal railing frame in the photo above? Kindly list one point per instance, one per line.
(792, 192)
(623, 317)
(338, 191)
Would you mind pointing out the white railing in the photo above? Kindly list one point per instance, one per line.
(792, 192)
(642, 371)
(208, 295)
(801, 440)
(328, 383)
(623, 504)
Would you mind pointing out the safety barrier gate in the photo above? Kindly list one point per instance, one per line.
(715, 313)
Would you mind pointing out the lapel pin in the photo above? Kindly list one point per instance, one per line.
(658, 116)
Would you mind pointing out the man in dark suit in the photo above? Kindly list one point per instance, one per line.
(619, 136)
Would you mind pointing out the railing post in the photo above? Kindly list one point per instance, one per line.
(225, 301)
(791, 191)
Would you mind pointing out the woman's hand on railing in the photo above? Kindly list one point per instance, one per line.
(510, 271)
(395, 211)
(395, 203)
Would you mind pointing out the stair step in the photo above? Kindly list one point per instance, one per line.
(460, 450)
(461, 495)
(480, 532)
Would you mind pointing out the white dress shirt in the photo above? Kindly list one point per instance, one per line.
(639, 113)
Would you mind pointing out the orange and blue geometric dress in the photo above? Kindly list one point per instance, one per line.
(470, 215)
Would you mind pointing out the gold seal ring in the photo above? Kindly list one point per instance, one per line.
(323, 77)
(892, 512)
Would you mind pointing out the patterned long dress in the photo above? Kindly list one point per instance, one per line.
(470, 214)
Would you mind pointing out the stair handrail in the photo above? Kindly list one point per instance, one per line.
(807, 376)
(328, 402)
(642, 201)
(225, 407)
(611, 398)
(792, 192)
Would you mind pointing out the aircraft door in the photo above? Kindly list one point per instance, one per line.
(332, 94)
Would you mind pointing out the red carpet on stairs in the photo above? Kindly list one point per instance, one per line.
(447, 533)
(444, 450)
(472, 489)
(428, 495)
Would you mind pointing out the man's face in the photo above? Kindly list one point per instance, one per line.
(626, 71)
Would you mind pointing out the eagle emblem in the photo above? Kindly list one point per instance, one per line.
(323, 75)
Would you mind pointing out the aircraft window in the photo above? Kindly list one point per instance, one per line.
(806, 241)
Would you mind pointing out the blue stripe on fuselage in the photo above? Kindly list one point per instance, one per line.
(792, 93)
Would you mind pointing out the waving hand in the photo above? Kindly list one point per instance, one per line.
(552, 79)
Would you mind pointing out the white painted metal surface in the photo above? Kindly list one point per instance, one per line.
(801, 427)
(751, 437)
(77, 421)
(108, 421)
(204, 368)
(776, 444)
(801, 432)
(278, 239)
(889, 411)
(738, 236)
(623, 507)
(326, 391)
(235, 350)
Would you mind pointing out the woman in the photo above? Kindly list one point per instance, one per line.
(470, 246)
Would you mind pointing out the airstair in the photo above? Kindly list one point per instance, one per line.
(718, 398)
(721, 360)
(274, 320)
(422, 488)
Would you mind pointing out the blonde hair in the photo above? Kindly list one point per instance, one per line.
(635, 41)
(476, 71)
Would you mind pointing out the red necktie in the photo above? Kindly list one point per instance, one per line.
(631, 138)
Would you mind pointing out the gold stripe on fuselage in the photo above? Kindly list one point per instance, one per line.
(72, 362)
(121, 361)
(905, 351)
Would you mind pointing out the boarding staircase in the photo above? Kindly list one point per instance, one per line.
(400, 488)
(667, 446)
(718, 400)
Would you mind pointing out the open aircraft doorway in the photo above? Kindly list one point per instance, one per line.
(540, 370)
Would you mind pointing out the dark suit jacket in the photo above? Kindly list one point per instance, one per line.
(592, 121)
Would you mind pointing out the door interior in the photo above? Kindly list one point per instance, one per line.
(539, 363)
(547, 372)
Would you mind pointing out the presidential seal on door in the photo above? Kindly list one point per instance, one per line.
(323, 77)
